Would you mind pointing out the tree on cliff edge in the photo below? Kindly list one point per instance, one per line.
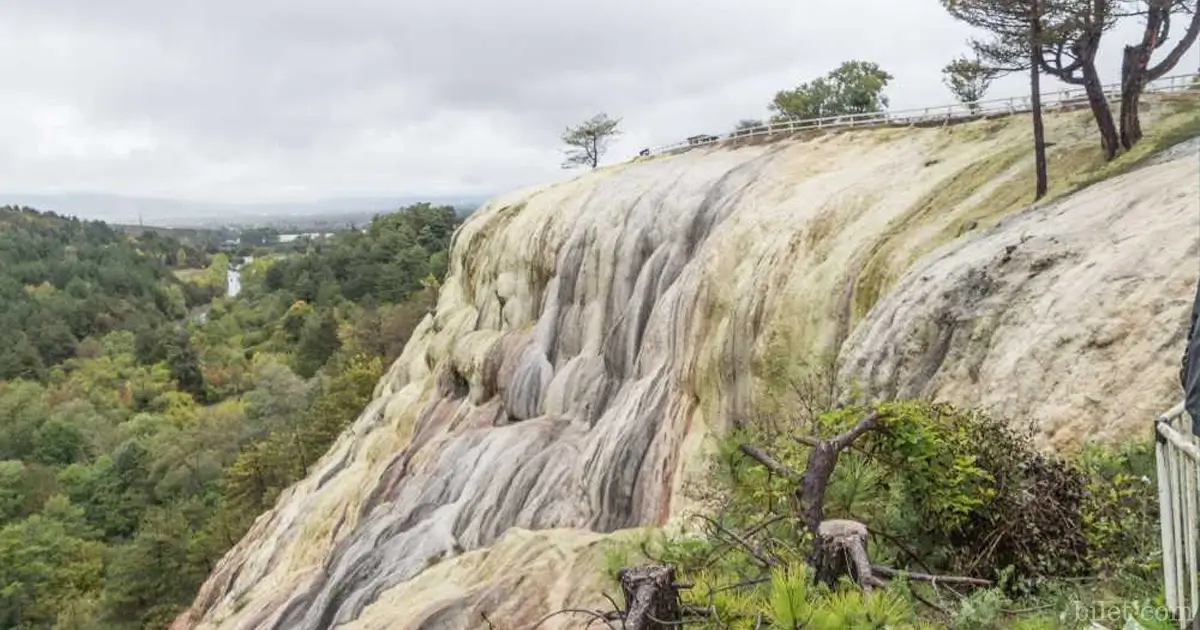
(855, 87)
(589, 140)
(1073, 31)
(1136, 70)
(1015, 45)
(968, 80)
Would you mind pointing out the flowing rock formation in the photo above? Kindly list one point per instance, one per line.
(592, 335)
(1073, 316)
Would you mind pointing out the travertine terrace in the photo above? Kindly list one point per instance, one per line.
(593, 334)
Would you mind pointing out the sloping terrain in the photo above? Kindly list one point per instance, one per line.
(591, 336)
(1073, 316)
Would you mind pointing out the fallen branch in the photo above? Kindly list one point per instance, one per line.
(926, 577)
(742, 584)
(763, 525)
(605, 617)
(745, 544)
(912, 555)
(928, 603)
(807, 440)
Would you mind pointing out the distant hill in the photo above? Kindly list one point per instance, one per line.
(178, 213)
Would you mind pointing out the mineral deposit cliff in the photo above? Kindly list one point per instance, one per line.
(592, 335)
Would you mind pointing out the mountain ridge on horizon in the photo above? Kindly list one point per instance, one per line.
(170, 212)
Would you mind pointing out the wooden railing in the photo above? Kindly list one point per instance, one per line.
(1177, 452)
(1063, 99)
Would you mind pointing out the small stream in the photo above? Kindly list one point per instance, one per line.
(233, 282)
(233, 278)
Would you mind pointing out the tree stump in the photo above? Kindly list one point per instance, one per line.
(651, 599)
(841, 549)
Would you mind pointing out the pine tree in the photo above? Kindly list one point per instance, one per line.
(589, 140)
(1015, 46)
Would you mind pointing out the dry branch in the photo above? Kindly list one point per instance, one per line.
(927, 577)
(605, 617)
(768, 462)
(745, 544)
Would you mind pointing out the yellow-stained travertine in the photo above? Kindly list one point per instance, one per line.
(592, 335)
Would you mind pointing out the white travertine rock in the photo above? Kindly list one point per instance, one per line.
(591, 336)
(1071, 315)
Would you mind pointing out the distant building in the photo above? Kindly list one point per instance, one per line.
(288, 238)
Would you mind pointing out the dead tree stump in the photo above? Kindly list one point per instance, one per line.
(651, 598)
(841, 549)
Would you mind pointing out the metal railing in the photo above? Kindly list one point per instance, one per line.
(1177, 452)
(1069, 98)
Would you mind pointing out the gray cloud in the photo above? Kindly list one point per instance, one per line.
(273, 99)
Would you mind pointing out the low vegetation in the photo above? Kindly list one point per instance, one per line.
(969, 525)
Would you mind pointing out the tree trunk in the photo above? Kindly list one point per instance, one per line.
(651, 598)
(810, 493)
(1135, 67)
(835, 543)
(1133, 83)
(1080, 67)
(1035, 97)
(841, 549)
(1101, 111)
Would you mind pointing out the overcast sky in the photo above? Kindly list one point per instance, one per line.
(272, 100)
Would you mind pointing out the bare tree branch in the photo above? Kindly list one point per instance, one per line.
(866, 424)
(765, 562)
(605, 617)
(757, 454)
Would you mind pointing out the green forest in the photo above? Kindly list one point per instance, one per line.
(146, 418)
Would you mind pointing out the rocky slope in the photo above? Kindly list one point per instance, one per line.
(591, 335)
(1072, 316)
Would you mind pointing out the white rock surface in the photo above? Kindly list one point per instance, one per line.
(1072, 316)
(592, 335)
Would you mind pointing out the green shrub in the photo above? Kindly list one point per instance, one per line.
(965, 492)
(1120, 510)
(982, 610)
(943, 490)
(787, 598)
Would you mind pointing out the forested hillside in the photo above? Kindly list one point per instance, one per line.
(146, 419)
(64, 280)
